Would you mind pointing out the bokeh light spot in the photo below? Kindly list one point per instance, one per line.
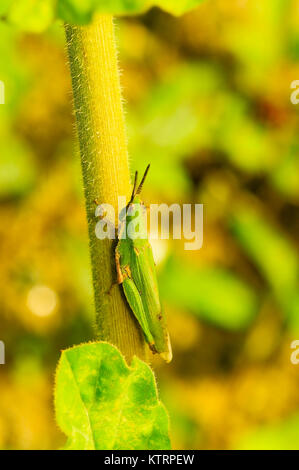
(41, 301)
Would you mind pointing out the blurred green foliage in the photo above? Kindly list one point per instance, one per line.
(37, 15)
(283, 436)
(208, 104)
(212, 293)
(274, 255)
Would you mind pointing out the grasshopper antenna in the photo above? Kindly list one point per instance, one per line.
(134, 187)
(142, 181)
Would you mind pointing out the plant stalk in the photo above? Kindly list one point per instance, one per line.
(104, 159)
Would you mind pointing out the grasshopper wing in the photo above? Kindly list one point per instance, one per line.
(134, 299)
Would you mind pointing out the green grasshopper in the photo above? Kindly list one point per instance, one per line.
(137, 273)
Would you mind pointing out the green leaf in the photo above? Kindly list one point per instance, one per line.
(76, 11)
(81, 11)
(101, 403)
(213, 294)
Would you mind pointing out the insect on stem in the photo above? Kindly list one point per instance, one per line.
(136, 272)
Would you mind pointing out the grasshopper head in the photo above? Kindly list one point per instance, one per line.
(135, 208)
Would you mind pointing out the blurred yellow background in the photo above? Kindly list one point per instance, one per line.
(207, 100)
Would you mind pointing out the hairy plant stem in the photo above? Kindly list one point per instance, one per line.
(103, 148)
